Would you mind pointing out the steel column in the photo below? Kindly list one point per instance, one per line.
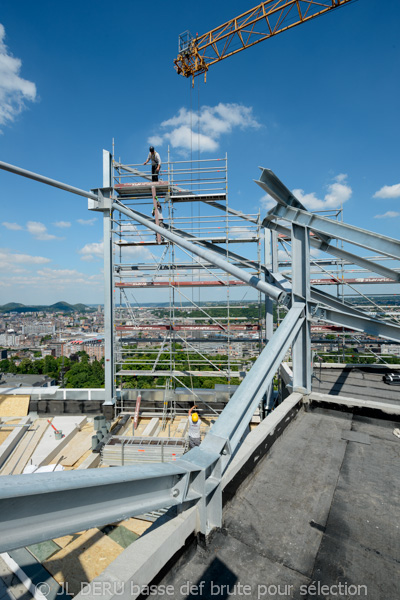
(108, 285)
(301, 350)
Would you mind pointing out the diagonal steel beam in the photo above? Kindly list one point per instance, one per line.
(340, 253)
(359, 323)
(271, 184)
(342, 231)
(42, 179)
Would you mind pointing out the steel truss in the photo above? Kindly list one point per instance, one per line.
(42, 506)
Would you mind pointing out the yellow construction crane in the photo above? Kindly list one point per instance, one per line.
(269, 18)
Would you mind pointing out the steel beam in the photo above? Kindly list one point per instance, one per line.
(236, 416)
(44, 506)
(301, 350)
(351, 258)
(348, 233)
(352, 321)
(42, 179)
(251, 280)
(271, 184)
(109, 381)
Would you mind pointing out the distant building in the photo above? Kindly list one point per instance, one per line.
(390, 349)
(11, 380)
(39, 328)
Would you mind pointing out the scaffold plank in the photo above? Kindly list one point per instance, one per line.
(166, 284)
(188, 327)
(178, 373)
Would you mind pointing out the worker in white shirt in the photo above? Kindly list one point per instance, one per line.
(155, 163)
(194, 428)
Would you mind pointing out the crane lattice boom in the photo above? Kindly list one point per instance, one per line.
(269, 18)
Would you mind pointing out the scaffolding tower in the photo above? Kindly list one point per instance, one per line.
(176, 317)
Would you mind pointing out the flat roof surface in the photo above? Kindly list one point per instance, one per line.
(322, 508)
(360, 382)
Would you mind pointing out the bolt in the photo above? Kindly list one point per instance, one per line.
(175, 493)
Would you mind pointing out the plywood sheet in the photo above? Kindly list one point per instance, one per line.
(83, 559)
(64, 540)
(14, 406)
(26, 446)
(136, 525)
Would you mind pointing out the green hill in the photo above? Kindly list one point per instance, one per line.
(57, 307)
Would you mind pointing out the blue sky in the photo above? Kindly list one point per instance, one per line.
(317, 104)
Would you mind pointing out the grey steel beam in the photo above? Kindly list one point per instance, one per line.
(47, 180)
(351, 258)
(271, 184)
(211, 256)
(352, 321)
(43, 506)
(236, 416)
(335, 303)
(348, 233)
(109, 380)
(301, 350)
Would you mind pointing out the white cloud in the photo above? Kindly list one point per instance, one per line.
(94, 250)
(338, 193)
(12, 226)
(39, 231)
(62, 278)
(267, 202)
(87, 221)
(188, 129)
(59, 280)
(62, 224)
(14, 90)
(9, 260)
(242, 232)
(388, 191)
(155, 140)
(390, 214)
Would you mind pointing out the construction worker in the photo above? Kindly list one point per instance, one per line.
(155, 163)
(194, 428)
(159, 214)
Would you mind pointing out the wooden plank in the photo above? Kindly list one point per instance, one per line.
(90, 462)
(14, 406)
(21, 455)
(49, 446)
(12, 440)
(151, 428)
(76, 448)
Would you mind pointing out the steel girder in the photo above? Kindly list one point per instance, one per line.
(342, 231)
(340, 253)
